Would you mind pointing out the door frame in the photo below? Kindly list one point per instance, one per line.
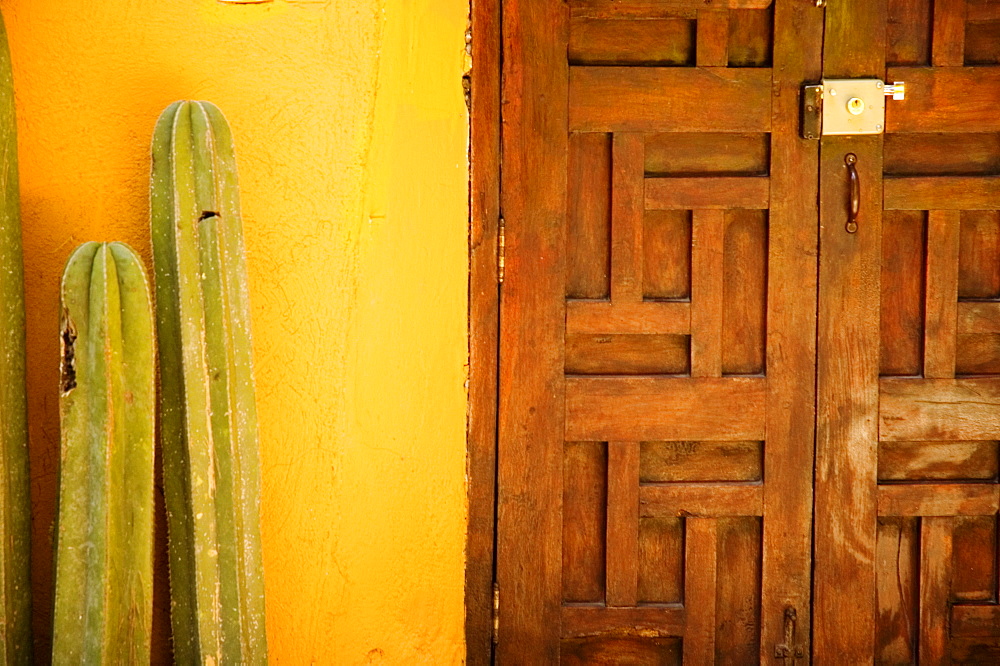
(482, 84)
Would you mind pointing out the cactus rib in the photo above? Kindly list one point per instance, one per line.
(104, 536)
(208, 414)
(15, 511)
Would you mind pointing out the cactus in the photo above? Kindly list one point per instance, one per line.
(211, 467)
(15, 511)
(104, 533)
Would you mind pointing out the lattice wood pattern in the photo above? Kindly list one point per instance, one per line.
(939, 392)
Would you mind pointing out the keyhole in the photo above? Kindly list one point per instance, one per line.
(855, 106)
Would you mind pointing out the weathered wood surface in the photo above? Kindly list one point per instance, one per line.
(939, 409)
(664, 408)
(651, 99)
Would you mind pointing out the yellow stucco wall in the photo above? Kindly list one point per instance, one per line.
(351, 132)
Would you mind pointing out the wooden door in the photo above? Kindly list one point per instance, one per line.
(656, 420)
(729, 430)
(909, 344)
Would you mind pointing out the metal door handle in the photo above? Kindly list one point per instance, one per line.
(855, 193)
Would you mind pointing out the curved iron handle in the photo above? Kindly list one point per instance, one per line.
(855, 197)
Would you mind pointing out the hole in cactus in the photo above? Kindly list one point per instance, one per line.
(207, 214)
(69, 355)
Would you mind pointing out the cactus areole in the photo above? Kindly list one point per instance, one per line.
(211, 465)
(15, 511)
(104, 533)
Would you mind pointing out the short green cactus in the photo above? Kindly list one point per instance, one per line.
(104, 535)
(15, 510)
(208, 416)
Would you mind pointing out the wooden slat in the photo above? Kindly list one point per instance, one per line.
(708, 231)
(938, 499)
(935, 589)
(650, 99)
(709, 500)
(983, 10)
(699, 591)
(707, 193)
(666, 620)
(664, 408)
(914, 410)
(844, 585)
(786, 569)
(898, 560)
(626, 217)
(948, 48)
(708, 153)
(979, 317)
(484, 320)
(713, 38)
(701, 461)
(978, 620)
(943, 192)
(947, 99)
(588, 216)
(623, 524)
(650, 318)
(532, 323)
(941, 304)
(650, 42)
(925, 461)
(901, 338)
(584, 521)
(655, 8)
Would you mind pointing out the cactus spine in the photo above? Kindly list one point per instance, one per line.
(15, 511)
(211, 464)
(104, 535)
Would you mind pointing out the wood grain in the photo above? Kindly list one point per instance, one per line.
(661, 559)
(713, 38)
(931, 499)
(943, 193)
(942, 154)
(737, 623)
(904, 244)
(578, 620)
(844, 585)
(707, 281)
(975, 620)
(532, 329)
(939, 409)
(948, 48)
(978, 317)
(626, 217)
(941, 305)
(898, 590)
(935, 589)
(979, 254)
(937, 100)
(585, 502)
(790, 357)
(627, 354)
(623, 524)
(700, 591)
(707, 154)
(651, 99)
(923, 461)
(664, 408)
(711, 193)
(744, 292)
(908, 35)
(666, 244)
(484, 322)
(701, 461)
(649, 317)
(701, 499)
(650, 42)
(588, 237)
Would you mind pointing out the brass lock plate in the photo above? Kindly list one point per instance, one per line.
(846, 107)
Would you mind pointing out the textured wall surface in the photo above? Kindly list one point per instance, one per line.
(351, 133)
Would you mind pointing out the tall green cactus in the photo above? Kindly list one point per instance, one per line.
(15, 510)
(208, 417)
(104, 535)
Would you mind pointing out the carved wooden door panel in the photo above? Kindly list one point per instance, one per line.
(730, 430)
(908, 411)
(658, 319)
